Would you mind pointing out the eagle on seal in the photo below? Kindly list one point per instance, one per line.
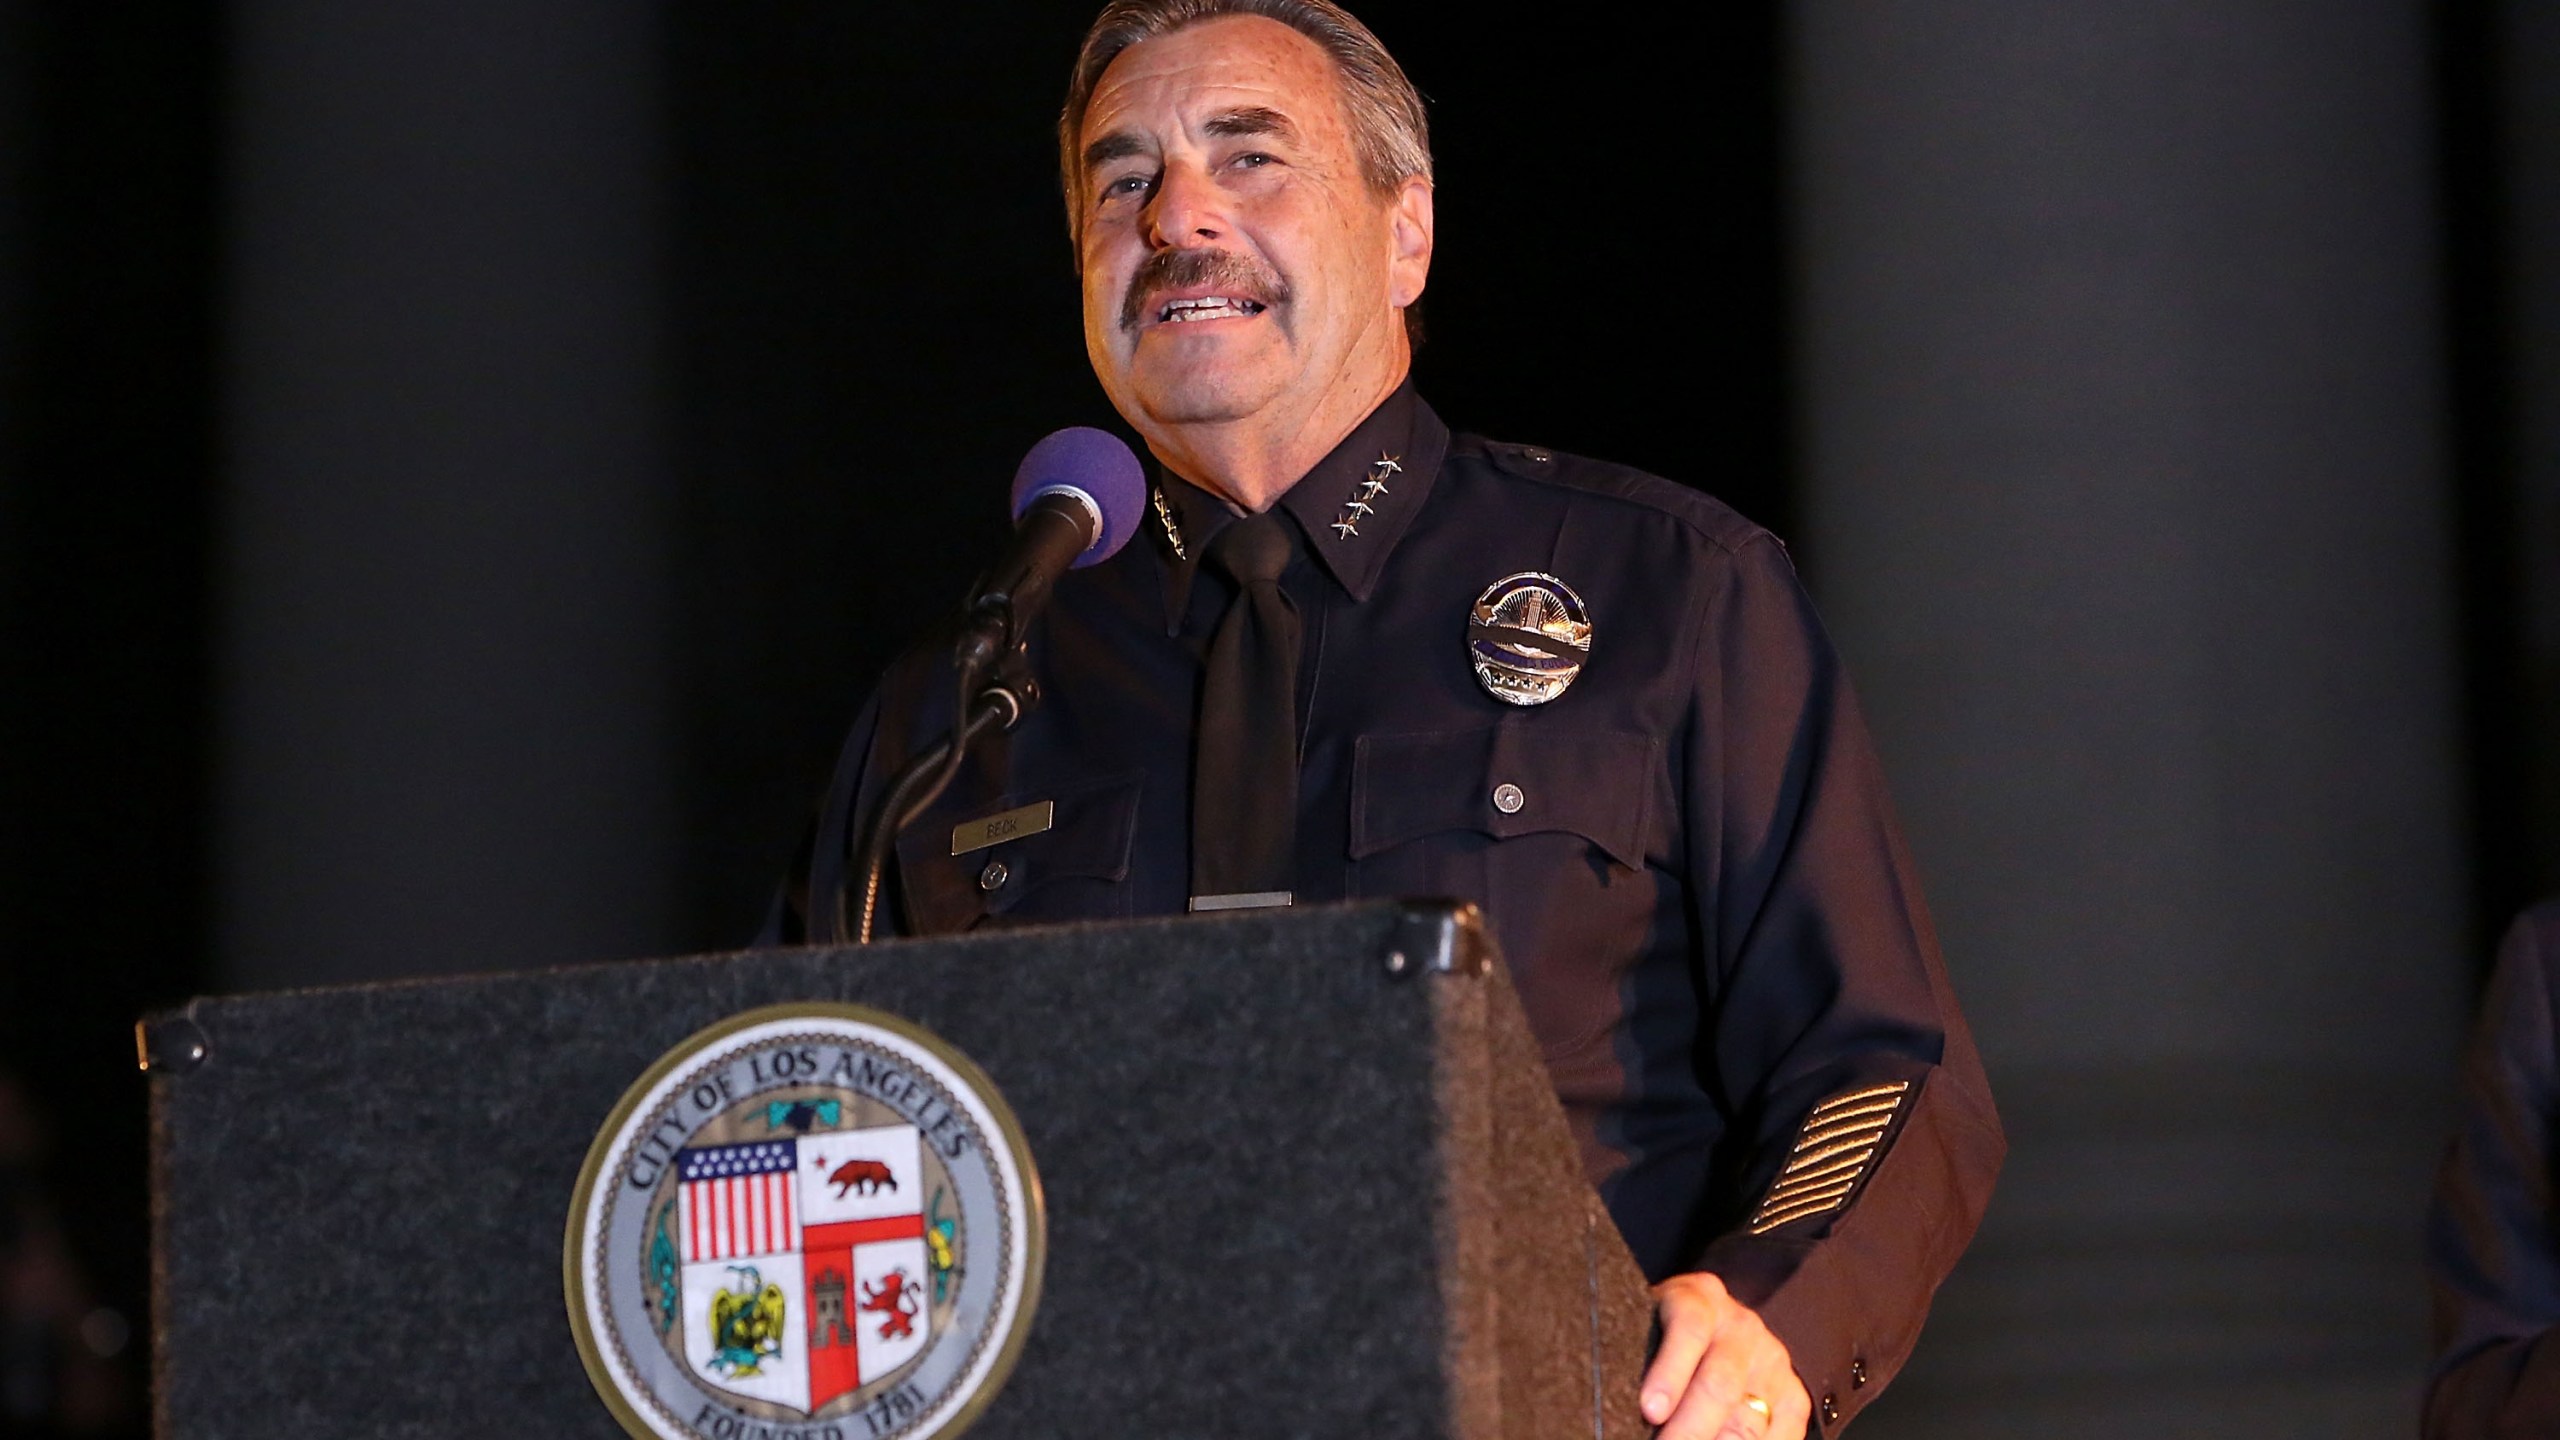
(746, 1325)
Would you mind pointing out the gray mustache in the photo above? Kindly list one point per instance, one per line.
(1181, 269)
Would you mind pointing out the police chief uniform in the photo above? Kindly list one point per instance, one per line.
(1686, 853)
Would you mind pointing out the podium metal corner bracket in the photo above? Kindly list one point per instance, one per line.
(170, 1043)
(1439, 937)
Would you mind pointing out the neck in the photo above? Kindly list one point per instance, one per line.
(1251, 462)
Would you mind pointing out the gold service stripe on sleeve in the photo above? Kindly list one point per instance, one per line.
(1846, 1169)
(1873, 1092)
(1868, 1125)
(1821, 1195)
(1828, 1170)
(1837, 1142)
(1815, 1157)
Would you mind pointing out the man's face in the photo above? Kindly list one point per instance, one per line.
(1235, 260)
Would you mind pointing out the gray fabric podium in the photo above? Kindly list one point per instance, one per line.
(1304, 1177)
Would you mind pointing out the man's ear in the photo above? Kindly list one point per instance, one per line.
(1409, 232)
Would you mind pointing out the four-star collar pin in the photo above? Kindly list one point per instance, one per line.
(1354, 510)
(1357, 508)
(1172, 531)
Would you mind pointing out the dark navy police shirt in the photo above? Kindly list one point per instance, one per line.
(1698, 885)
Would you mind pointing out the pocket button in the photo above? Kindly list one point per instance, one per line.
(1508, 798)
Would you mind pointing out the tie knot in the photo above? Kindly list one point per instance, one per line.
(1253, 550)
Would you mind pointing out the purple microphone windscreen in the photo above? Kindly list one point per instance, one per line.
(1095, 463)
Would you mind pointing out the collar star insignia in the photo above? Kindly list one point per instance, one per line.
(1172, 531)
(1366, 490)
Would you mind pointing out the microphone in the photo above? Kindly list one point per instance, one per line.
(1077, 499)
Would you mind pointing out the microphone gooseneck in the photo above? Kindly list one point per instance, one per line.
(1077, 499)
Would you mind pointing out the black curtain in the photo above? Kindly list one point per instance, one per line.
(109, 166)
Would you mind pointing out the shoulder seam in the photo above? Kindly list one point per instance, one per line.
(1516, 460)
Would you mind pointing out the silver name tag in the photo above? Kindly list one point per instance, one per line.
(1013, 824)
(1244, 900)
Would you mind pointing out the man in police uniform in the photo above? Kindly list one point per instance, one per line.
(1358, 655)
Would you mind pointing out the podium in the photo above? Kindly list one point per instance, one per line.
(1298, 1173)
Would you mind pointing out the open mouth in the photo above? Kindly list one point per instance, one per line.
(1208, 307)
(1175, 287)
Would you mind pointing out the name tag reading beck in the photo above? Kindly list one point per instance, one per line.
(1013, 824)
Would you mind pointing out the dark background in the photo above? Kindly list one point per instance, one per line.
(458, 473)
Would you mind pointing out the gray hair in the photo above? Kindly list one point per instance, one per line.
(1384, 111)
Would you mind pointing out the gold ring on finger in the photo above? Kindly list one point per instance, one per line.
(1756, 1406)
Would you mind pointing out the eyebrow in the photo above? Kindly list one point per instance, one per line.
(1118, 145)
(1252, 120)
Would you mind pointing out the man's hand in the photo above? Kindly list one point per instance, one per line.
(1716, 1359)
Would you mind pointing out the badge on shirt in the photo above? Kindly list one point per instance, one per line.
(1528, 638)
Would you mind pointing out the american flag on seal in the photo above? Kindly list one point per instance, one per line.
(738, 1200)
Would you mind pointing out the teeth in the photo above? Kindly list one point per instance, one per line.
(1214, 307)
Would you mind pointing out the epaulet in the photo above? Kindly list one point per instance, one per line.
(1711, 518)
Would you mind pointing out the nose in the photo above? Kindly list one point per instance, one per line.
(1187, 209)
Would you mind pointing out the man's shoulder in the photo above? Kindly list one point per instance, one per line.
(1638, 494)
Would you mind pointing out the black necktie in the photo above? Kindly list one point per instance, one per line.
(1244, 779)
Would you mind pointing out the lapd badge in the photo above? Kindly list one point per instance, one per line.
(805, 1214)
(1528, 637)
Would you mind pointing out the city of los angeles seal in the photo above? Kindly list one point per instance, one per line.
(808, 1222)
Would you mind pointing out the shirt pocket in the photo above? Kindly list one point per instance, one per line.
(1504, 782)
(1076, 869)
(1547, 829)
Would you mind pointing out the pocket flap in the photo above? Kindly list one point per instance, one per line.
(1089, 837)
(1504, 780)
